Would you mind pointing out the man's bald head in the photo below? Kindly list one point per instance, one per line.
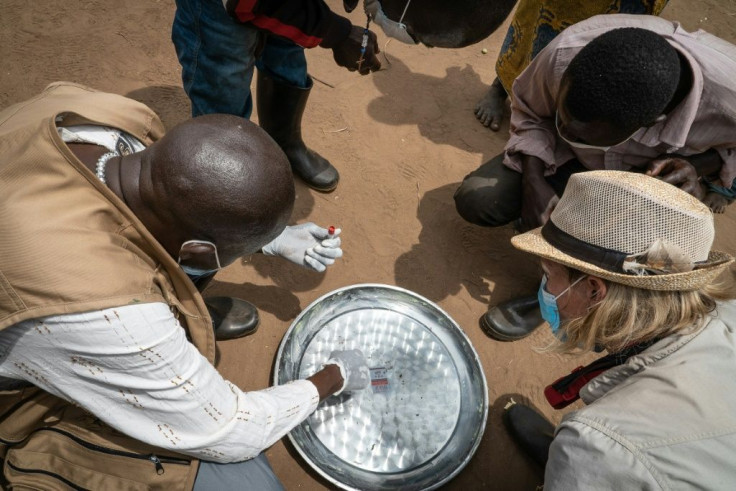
(219, 178)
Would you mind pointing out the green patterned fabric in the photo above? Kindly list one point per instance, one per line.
(537, 22)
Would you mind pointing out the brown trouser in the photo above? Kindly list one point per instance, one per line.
(491, 195)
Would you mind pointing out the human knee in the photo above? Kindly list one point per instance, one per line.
(479, 206)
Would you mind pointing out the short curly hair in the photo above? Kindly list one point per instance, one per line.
(625, 77)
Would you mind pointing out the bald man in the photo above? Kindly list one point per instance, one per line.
(106, 345)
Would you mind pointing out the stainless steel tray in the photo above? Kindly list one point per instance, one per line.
(422, 418)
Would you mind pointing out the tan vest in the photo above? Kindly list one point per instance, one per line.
(69, 245)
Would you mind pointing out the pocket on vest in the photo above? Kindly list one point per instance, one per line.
(51, 458)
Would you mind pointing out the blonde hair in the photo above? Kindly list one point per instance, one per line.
(629, 315)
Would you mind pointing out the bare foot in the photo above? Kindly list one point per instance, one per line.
(716, 202)
(489, 109)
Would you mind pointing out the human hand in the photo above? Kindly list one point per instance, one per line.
(389, 27)
(353, 368)
(538, 201)
(307, 245)
(678, 172)
(716, 202)
(347, 53)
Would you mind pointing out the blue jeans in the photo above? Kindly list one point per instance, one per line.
(217, 55)
(251, 475)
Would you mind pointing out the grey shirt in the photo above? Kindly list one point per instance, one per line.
(666, 419)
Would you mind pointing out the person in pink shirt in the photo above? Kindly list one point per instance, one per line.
(625, 92)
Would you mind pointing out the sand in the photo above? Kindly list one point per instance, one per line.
(402, 138)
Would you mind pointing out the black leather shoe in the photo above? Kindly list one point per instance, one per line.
(530, 430)
(232, 317)
(280, 108)
(512, 320)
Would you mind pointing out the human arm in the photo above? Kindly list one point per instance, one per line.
(533, 147)
(389, 27)
(349, 54)
(134, 369)
(706, 163)
(327, 381)
(309, 23)
(582, 457)
(533, 105)
(685, 171)
(307, 245)
(538, 197)
(344, 371)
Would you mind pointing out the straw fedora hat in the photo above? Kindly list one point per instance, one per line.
(631, 229)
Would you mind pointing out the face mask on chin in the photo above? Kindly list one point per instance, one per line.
(196, 273)
(199, 260)
(585, 146)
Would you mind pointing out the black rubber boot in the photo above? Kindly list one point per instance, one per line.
(232, 317)
(512, 320)
(280, 109)
(530, 430)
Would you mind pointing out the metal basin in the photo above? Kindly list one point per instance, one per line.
(422, 418)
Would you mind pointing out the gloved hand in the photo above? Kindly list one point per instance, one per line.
(307, 245)
(353, 368)
(347, 53)
(390, 27)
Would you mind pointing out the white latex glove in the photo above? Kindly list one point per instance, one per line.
(307, 245)
(353, 368)
(389, 27)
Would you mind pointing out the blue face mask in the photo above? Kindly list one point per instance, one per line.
(548, 304)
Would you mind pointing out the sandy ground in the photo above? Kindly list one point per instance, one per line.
(402, 139)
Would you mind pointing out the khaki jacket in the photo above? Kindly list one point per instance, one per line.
(664, 420)
(69, 245)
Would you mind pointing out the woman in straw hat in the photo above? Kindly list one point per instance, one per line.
(628, 269)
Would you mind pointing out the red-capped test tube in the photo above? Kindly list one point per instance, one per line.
(331, 230)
